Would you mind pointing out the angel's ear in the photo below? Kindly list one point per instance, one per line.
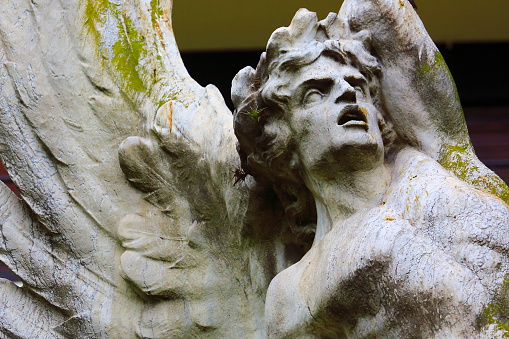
(241, 85)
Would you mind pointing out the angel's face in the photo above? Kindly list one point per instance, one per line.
(332, 117)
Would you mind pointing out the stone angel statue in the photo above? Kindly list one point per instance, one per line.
(342, 198)
(406, 245)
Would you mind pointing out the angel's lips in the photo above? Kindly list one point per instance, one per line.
(353, 116)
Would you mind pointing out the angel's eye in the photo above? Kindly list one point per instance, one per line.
(313, 95)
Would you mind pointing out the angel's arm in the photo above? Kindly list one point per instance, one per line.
(418, 91)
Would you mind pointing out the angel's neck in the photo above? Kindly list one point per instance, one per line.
(347, 195)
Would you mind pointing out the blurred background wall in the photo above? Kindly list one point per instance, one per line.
(202, 25)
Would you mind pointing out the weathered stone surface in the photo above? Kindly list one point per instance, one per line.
(98, 256)
(138, 218)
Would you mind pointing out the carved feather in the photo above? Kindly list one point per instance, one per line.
(63, 116)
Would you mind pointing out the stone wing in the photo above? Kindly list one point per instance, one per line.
(77, 78)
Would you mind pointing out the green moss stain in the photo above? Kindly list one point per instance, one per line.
(95, 13)
(458, 159)
(167, 97)
(455, 159)
(127, 52)
(128, 49)
(438, 66)
(424, 69)
(497, 312)
(439, 62)
(131, 59)
(156, 10)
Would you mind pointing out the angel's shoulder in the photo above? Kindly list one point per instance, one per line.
(435, 201)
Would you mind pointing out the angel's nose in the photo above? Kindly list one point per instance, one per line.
(347, 96)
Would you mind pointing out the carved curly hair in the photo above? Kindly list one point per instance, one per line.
(265, 142)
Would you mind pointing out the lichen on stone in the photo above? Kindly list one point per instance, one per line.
(497, 312)
(457, 159)
(127, 52)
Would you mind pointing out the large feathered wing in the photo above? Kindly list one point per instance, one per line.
(157, 255)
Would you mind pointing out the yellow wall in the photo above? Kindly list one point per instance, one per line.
(244, 24)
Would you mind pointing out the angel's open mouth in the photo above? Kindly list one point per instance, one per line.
(353, 116)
